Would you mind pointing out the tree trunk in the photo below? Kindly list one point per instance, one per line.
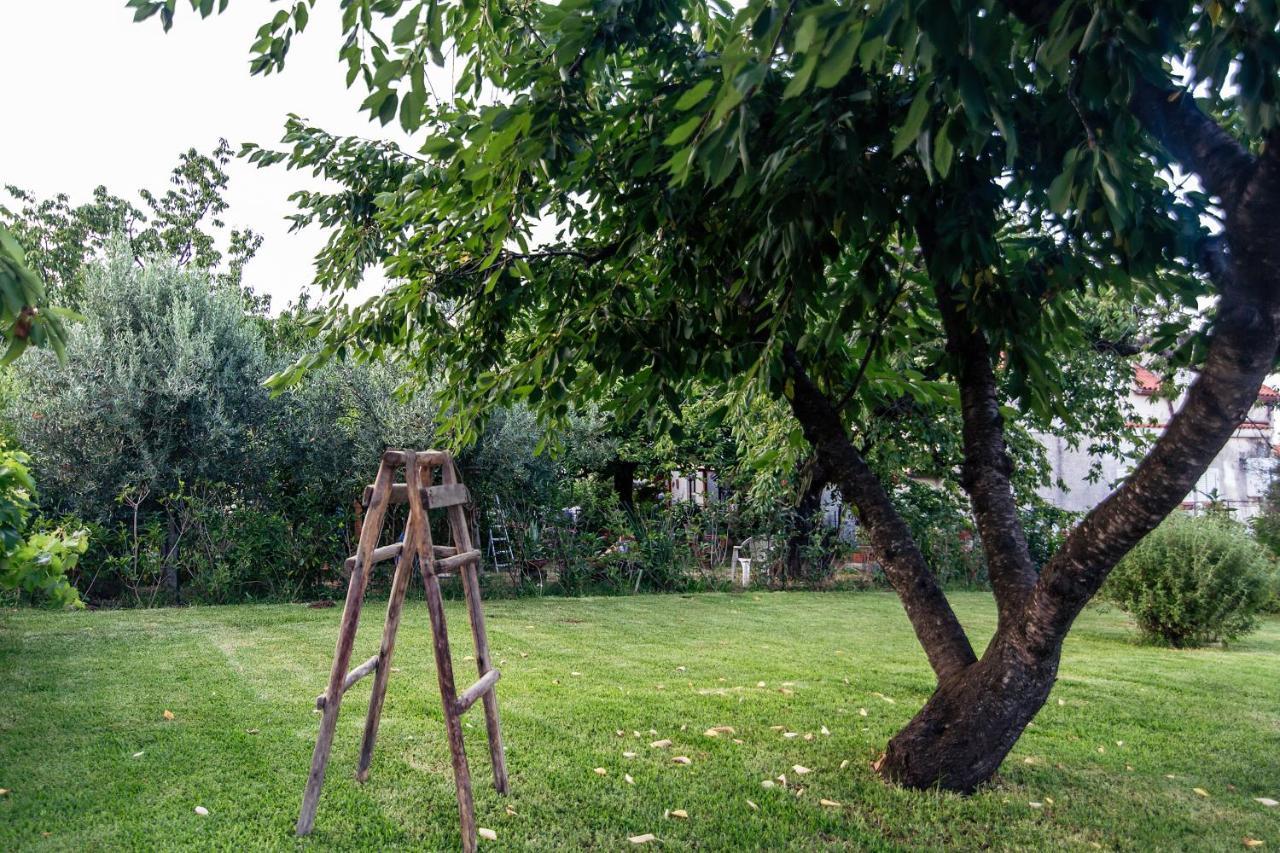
(962, 734)
(624, 476)
(804, 522)
(170, 563)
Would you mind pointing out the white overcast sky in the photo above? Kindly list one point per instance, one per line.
(92, 98)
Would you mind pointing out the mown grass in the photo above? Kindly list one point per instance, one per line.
(1113, 759)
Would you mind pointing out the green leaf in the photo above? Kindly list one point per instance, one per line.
(387, 111)
(839, 58)
(406, 29)
(695, 95)
(942, 150)
(684, 131)
(916, 114)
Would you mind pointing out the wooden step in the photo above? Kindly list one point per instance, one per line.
(450, 563)
(450, 494)
(386, 552)
(472, 694)
(433, 497)
(367, 668)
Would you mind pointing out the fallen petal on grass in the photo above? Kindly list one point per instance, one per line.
(799, 770)
(600, 771)
(642, 839)
(487, 834)
(752, 806)
(680, 814)
(168, 715)
(1267, 801)
(830, 803)
(1201, 791)
(626, 777)
(660, 744)
(202, 811)
(682, 759)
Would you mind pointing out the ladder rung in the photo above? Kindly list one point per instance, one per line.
(472, 694)
(450, 563)
(449, 494)
(433, 497)
(399, 494)
(386, 552)
(353, 676)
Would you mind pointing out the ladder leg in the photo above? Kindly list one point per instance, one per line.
(475, 610)
(497, 753)
(452, 722)
(369, 533)
(395, 606)
(444, 663)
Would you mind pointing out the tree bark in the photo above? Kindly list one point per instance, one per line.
(935, 624)
(964, 731)
(624, 475)
(987, 469)
(172, 536)
(804, 522)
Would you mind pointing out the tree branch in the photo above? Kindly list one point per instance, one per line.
(1195, 140)
(1246, 332)
(987, 468)
(1171, 116)
(935, 624)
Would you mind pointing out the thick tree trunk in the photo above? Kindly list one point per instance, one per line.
(962, 734)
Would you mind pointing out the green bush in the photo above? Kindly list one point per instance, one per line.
(33, 562)
(1193, 581)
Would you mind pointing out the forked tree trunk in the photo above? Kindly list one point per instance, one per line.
(967, 727)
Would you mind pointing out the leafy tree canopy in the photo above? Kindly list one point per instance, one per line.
(182, 224)
(873, 211)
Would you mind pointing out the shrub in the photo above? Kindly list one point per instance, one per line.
(33, 562)
(1192, 581)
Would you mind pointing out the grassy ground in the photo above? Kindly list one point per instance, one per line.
(1113, 760)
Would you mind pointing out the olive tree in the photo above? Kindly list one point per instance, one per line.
(857, 208)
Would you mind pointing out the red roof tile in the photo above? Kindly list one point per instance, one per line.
(1148, 382)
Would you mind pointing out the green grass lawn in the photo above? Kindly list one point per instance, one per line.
(1113, 759)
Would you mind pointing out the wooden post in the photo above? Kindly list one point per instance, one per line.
(369, 533)
(444, 662)
(475, 609)
(395, 606)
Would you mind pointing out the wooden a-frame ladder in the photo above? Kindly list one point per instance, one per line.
(419, 492)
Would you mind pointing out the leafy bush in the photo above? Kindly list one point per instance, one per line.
(1192, 581)
(35, 563)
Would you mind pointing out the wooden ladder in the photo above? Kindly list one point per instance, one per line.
(419, 492)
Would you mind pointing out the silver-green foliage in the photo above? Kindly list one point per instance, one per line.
(1193, 581)
(161, 387)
